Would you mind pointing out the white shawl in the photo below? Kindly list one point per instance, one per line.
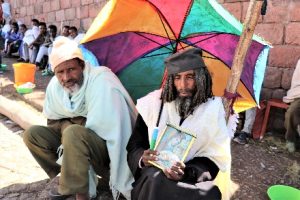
(110, 113)
(294, 92)
(207, 121)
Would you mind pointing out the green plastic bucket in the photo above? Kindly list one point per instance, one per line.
(283, 192)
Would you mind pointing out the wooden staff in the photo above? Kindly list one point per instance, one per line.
(250, 22)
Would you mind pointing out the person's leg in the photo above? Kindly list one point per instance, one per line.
(153, 184)
(5, 45)
(292, 120)
(8, 50)
(245, 133)
(82, 148)
(33, 53)
(43, 142)
(25, 52)
(249, 120)
(14, 47)
(42, 51)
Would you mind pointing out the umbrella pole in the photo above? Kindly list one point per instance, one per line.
(250, 22)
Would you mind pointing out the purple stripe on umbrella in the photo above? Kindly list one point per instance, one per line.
(119, 50)
(222, 46)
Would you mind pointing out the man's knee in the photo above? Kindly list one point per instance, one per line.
(153, 174)
(74, 132)
(32, 134)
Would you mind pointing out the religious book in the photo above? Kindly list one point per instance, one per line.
(173, 145)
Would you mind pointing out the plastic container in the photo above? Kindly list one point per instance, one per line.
(24, 90)
(282, 192)
(3, 67)
(24, 72)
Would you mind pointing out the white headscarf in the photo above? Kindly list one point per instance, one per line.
(64, 49)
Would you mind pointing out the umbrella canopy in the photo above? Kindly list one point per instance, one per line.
(133, 37)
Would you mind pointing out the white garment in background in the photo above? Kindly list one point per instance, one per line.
(249, 120)
(28, 37)
(79, 37)
(6, 10)
(43, 51)
(35, 31)
(5, 29)
(294, 92)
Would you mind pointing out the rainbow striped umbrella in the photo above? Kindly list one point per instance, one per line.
(133, 37)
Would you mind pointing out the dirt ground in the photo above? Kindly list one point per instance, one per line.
(255, 166)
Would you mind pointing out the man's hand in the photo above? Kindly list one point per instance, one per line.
(149, 155)
(176, 172)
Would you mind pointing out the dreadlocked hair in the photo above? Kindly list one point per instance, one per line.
(203, 89)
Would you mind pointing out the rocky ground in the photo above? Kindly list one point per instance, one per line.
(255, 166)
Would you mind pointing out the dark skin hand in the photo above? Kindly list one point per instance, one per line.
(175, 173)
(149, 155)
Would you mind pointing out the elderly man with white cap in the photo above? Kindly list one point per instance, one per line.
(90, 115)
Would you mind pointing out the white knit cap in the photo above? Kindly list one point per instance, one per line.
(63, 49)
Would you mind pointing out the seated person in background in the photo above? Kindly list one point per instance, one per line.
(22, 31)
(35, 27)
(29, 37)
(74, 34)
(12, 40)
(65, 31)
(6, 28)
(186, 100)
(35, 45)
(292, 116)
(46, 46)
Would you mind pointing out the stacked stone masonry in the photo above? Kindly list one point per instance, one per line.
(280, 26)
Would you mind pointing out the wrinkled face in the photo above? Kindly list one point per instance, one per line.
(185, 83)
(70, 75)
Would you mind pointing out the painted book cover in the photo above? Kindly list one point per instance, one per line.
(173, 145)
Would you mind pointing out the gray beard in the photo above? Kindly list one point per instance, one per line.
(73, 90)
(184, 106)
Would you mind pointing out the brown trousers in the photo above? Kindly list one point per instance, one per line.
(292, 121)
(82, 148)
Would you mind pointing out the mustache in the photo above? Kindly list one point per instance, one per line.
(186, 91)
(72, 81)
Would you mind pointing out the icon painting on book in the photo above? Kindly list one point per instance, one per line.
(173, 145)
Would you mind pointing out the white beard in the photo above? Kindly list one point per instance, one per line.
(72, 90)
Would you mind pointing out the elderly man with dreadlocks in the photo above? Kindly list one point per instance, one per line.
(186, 100)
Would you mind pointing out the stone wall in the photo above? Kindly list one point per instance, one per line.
(79, 13)
(280, 26)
